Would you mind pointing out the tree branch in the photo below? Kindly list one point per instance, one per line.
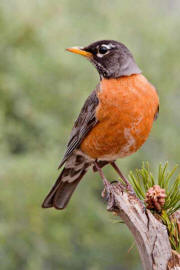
(150, 234)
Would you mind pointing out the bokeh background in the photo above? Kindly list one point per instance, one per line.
(42, 89)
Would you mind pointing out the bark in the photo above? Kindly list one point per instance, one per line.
(150, 235)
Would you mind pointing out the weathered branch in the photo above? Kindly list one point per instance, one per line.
(150, 234)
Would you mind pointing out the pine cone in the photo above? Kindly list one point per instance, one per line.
(155, 198)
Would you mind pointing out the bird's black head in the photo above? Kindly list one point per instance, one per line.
(112, 59)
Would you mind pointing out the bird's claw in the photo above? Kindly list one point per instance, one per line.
(108, 193)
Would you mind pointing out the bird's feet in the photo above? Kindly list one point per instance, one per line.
(128, 186)
(111, 188)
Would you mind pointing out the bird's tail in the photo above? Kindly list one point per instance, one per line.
(75, 168)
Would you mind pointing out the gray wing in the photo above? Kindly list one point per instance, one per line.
(84, 123)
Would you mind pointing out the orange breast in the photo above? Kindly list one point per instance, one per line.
(126, 111)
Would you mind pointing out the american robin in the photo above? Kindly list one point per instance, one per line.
(114, 122)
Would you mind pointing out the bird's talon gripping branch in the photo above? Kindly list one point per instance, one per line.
(105, 194)
(108, 195)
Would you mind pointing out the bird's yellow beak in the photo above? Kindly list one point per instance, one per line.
(80, 51)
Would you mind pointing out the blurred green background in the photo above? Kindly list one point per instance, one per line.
(42, 89)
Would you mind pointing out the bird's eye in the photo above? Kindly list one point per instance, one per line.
(103, 50)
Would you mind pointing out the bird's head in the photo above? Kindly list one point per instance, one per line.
(112, 59)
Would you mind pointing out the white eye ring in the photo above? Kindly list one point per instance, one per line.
(105, 46)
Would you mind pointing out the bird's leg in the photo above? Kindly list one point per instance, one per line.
(128, 185)
(109, 188)
(105, 181)
(107, 185)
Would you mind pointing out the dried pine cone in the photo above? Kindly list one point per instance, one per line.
(155, 198)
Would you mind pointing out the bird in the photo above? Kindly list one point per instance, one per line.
(114, 122)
